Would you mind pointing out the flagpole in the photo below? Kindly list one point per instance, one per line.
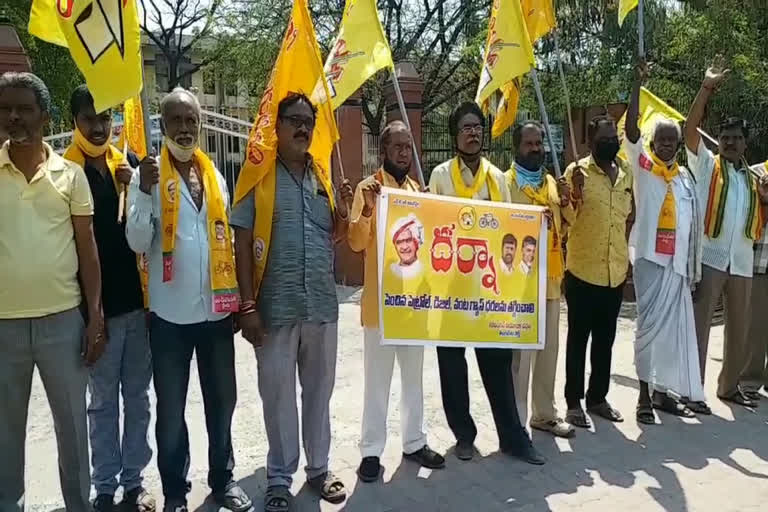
(545, 120)
(338, 149)
(404, 115)
(567, 97)
(640, 29)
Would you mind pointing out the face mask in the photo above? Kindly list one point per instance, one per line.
(531, 161)
(607, 149)
(396, 172)
(87, 147)
(179, 152)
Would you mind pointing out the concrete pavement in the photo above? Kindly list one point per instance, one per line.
(717, 463)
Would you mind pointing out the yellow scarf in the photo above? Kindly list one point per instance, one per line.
(222, 260)
(547, 196)
(482, 176)
(76, 152)
(264, 199)
(667, 225)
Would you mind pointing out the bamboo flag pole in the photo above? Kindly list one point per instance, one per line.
(545, 120)
(640, 29)
(338, 149)
(567, 96)
(404, 114)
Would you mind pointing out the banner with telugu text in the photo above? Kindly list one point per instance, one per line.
(460, 272)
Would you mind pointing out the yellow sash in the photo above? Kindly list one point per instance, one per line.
(264, 199)
(114, 157)
(482, 176)
(667, 225)
(548, 196)
(222, 260)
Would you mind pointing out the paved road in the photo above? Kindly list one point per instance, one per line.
(718, 463)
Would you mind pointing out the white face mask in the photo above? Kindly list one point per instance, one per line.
(179, 152)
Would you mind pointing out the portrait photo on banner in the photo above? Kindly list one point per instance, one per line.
(460, 272)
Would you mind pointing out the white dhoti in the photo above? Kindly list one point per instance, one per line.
(666, 351)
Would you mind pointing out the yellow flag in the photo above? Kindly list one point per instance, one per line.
(133, 127)
(506, 113)
(539, 18)
(298, 68)
(508, 49)
(359, 51)
(625, 6)
(103, 38)
(652, 109)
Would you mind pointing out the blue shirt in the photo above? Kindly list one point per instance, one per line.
(298, 283)
(187, 298)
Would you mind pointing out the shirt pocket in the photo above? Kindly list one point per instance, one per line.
(320, 210)
(622, 202)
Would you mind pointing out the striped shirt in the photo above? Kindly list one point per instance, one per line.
(298, 283)
(732, 250)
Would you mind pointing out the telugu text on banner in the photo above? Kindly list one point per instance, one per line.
(460, 272)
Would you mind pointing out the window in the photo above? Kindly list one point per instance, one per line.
(209, 82)
(232, 89)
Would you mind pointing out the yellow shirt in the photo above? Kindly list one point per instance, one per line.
(362, 237)
(561, 215)
(597, 239)
(37, 244)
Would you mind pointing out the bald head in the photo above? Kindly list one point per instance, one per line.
(396, 149)
(180, 110)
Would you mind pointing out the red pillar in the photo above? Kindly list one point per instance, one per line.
(12, 54)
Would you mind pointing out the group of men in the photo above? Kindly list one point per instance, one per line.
(74, 260)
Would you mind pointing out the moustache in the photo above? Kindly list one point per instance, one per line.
(301, 135)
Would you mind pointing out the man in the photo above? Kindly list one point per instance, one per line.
(528, 255)
(46, 244)
(733, 222)
(665, 246)
(174, 203)
(755, 375)
(378, 359)
(126, 364)
(407, 237)
(596, 268)
(290, 311)
(529, 183)
(469, 175)
(508, 251)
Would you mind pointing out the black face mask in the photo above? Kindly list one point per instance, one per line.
(607, 149)
(396, 172)
(531, 161)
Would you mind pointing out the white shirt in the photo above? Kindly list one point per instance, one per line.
(440, 181)
(188, 298)
(650, 191)
(732, 250)
(525, 268)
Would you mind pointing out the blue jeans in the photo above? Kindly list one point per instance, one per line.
(125, 366)
(172, 349)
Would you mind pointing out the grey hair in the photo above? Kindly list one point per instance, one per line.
(668, 123)
(28, 81)
(175, 93)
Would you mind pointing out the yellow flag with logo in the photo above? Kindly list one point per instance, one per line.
(506, 113)
(298, 68)
(652, 109)
(132, 134)
(508, 49)
(103, 38)
(625, 6)
(539, 18)
(359, 50)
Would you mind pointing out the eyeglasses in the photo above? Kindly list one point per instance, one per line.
(299, 121)
(471, 129)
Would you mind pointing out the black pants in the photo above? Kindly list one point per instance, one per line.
(496, 372)
(172, 348)
(591, 310)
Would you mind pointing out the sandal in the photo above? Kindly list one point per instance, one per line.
(578, 418)
(604, 410)
(329, 487)
(752, 394)
(644, 414)
(739, 398)
(233, 498)
(700, 407)
(138, 500)
(277, 499)
(668, 404)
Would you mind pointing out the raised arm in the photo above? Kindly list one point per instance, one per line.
(139, 228)
(633, 112)
(712, 79)
(363, 206)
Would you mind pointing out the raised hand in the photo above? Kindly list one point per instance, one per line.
(564, 191)
(577, 180)
(716, 73)
(370, 192)
(642, 71)
(149, 172)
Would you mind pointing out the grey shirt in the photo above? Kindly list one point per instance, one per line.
(298, 283)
